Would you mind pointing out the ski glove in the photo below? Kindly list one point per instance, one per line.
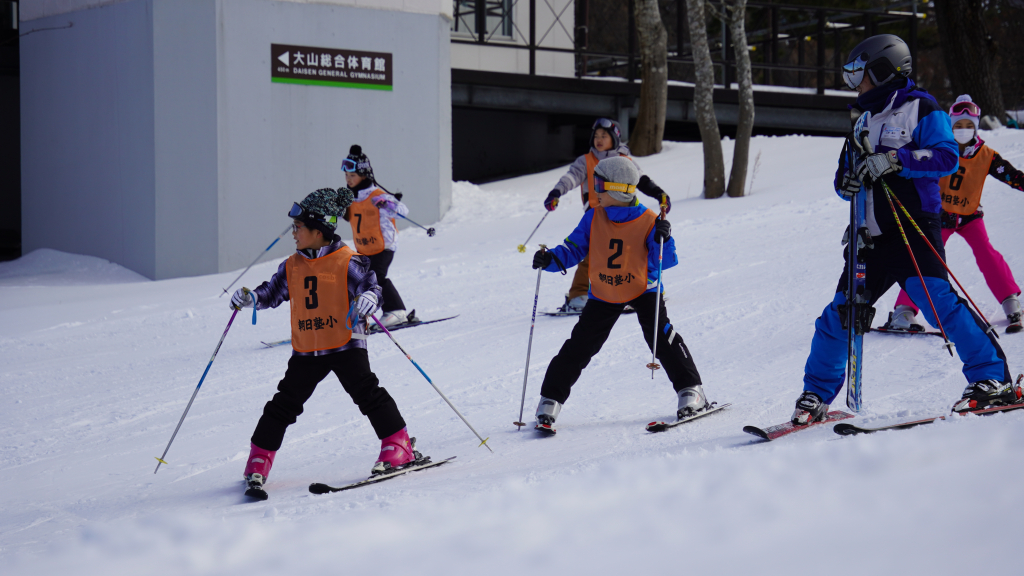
(383, 203)
(542, 259)
(877, 165)
(850, 186)
(243, 298)
(366, 304)
(552, 200)
(662, 230)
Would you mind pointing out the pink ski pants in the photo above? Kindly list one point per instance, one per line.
(997, 274)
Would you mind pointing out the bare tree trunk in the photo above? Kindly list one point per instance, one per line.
(650, 120)
(703, 101)
(736, 11)
(969, 52)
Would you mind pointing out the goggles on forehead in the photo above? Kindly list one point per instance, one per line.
(968, 108)
(853, 72)
(602, 185)
(348, 165)
(602, 123)
(299, 213)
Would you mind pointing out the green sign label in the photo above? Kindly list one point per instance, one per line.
(330, 67)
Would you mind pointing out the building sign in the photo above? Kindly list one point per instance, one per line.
(330, 67)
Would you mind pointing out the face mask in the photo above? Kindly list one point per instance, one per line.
(963, 135)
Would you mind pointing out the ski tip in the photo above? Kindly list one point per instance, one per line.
(318, 488)
(756, 432)
(657, 427)
(844, 429)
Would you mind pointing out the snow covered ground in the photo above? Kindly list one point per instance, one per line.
(97, 363)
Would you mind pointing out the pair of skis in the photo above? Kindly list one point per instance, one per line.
(412, 322)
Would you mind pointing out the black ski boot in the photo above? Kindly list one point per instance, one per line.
(809, 408)
(987, 393)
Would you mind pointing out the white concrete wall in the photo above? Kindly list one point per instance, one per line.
(153, 136)
(549, 34)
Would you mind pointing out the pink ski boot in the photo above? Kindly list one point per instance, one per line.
(395, 451)
(257, 468)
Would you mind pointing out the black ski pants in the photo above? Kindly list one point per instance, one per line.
(380, 263)
(352, 367)
(592, 331)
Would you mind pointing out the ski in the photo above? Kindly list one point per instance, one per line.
(257, 493)
(657, 426)
(779, 430)
(857, 313)
(413, 321)
(844, 429)
(884, 330)
(373, 329)
(1014, 328)
(557, 313)
(317, 488)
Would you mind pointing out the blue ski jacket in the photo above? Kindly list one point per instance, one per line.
(910, 121)
(577, 244)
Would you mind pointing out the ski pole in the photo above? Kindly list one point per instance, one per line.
(657, 304)
(522, 247)
(533, 321)
(483, 441)
(256, 260)
(991, 328)
(430, 231)
(889, 195)
(161, 460)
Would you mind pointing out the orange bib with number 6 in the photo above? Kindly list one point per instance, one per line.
(961, 191)
(318, 293)
(618, 256)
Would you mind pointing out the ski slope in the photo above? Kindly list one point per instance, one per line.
(97, 364)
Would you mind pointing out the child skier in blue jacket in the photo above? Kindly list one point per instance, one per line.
(913, 148)
(622, 239)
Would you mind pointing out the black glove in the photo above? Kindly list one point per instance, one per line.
(850, 185)
(552, 200)
(541, 259)
(662, 230)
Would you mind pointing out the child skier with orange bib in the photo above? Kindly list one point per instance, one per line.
(332, 290)
(621, 237)
(605, 142)
(372, 216)
(962, 214)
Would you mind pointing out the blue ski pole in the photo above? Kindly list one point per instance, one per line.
(161, 460)
(430, 231)
(256, 260)
(483, 441)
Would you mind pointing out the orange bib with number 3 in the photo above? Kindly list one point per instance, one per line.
(365, 220)
(618, 256)
(961, 191)
(318, 293)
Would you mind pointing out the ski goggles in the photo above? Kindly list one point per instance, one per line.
(606, 124)
(350, 165)
(965, 109)
(603, 186)
(853, 72)
(299, 213)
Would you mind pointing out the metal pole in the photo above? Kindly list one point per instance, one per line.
(529, 347)
(481, 20)
(821, 51)
(533, 37)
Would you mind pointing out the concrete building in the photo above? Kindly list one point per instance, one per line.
(172, 136)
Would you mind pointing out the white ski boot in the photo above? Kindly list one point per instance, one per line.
(573, 305)
(1011, 306)
(394, 317)
(691, 401)
(547, 413)
(809, 408)
(903, 319)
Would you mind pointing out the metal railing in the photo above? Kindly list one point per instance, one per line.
(792, 45)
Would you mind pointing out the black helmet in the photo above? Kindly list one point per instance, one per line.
(885, 57)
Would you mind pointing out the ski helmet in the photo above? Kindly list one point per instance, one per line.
(884, 57)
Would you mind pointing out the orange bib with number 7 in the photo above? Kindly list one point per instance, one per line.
(318, 293)
(618, 256)
(365, 220)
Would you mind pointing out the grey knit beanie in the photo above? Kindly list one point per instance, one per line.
(327, 203)
(620, 170)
